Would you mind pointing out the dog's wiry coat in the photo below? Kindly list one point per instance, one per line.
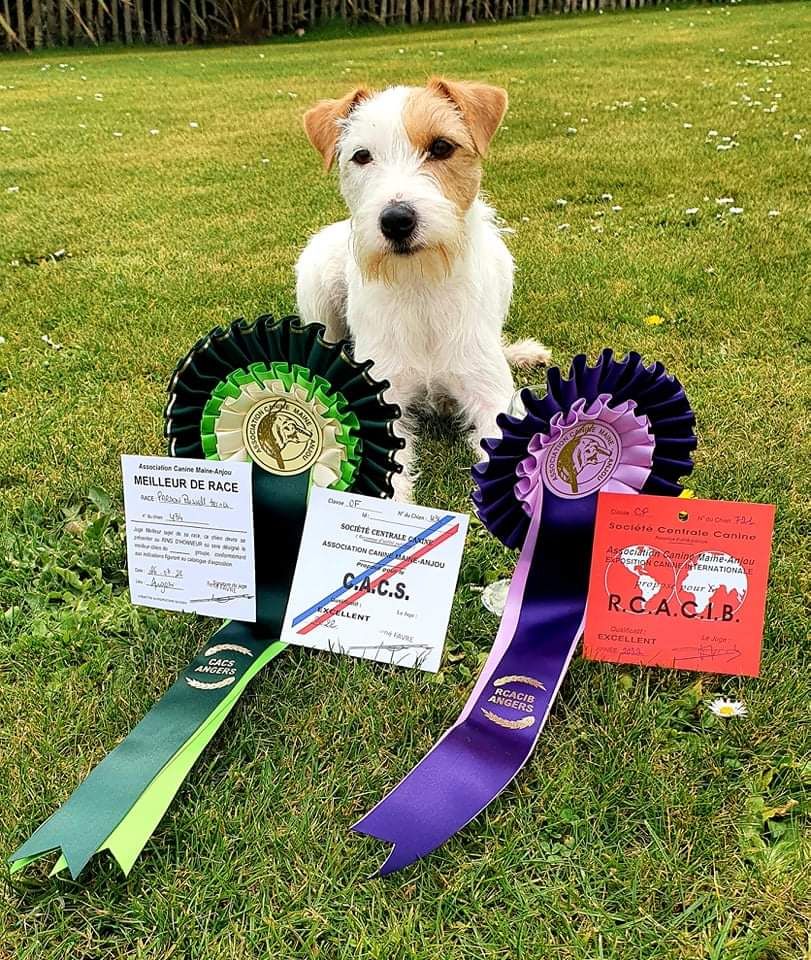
(430, 311)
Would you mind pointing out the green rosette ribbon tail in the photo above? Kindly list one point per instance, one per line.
(306, 413)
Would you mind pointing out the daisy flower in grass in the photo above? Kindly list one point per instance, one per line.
(725, 708)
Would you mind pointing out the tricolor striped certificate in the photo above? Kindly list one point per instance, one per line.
(375, 579)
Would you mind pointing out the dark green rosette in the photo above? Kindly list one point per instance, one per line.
(306, 413)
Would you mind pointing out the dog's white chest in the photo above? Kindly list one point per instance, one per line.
(430, 327)
(412, 329)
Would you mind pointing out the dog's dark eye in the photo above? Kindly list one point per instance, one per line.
(441, 149)
(361, 157)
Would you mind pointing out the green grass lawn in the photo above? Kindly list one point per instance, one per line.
(181, 186)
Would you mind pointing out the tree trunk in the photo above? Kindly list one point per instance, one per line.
(89, 18)
(127, 21)
(178, 31)
(50, 23)
(7, 17)
(193, 21)
(22, 34)
(139, 16)
(164, 21)
(36, 20)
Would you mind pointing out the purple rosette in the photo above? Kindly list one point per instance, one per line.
(657, 395)
(619, 426)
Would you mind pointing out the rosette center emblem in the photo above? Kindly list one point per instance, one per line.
(582, 459)
(589, 447)
(282, 435)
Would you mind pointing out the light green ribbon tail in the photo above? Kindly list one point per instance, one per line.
(121, 802)
(130, 837)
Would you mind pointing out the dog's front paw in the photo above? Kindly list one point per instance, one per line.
(403, 487)
(490, 431)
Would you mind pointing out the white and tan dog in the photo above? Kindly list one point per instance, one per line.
(419, 276)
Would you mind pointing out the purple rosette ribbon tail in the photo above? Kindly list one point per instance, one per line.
(619, 426)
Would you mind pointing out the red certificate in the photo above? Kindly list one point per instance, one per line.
(678, 583)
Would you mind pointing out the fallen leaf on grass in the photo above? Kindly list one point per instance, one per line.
(771, 813)
(494, 596)
(41, 260)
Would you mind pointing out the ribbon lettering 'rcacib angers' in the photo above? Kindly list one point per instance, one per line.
(618, 426)
(305, 413)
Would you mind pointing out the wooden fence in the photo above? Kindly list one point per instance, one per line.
(27, 24)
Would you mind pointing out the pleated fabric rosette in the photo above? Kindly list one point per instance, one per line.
(306, 413)
(616, 425)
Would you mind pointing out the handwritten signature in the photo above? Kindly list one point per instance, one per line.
(706, 651)
(225, 599)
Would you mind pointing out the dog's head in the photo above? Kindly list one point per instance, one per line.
(409, 160)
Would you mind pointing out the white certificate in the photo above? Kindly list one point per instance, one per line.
(190, 535)
(375, 579)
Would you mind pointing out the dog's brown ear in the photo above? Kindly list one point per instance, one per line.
(481, 105)
(321, 122)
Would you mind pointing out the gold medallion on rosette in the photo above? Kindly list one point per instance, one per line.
(286, 421)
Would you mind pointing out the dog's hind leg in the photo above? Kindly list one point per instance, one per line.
(321, 280)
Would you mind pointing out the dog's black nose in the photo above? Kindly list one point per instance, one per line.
(398, 221)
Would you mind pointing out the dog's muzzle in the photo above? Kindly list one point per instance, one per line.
(398, 221)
